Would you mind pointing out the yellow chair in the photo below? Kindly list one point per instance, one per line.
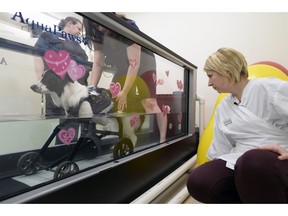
(261, 69)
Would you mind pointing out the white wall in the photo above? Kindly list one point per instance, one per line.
(196, 35)
(17, 75)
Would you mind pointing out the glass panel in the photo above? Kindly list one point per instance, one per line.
(52, 125)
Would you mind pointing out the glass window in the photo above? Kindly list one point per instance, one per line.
(55, 122)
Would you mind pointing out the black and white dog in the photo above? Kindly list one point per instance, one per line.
(78, 100)
(74, 98)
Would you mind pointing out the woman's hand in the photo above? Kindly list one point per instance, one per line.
(122, 101)
(283, 154)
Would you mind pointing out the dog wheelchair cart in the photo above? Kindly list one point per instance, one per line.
(90, 140)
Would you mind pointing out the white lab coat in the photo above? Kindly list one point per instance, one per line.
(261, 118)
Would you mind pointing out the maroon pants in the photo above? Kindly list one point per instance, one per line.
(259, 177)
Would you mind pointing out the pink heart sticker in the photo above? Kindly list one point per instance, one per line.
(134, 121)
(167, 73)
(115, 88)
(75, 71)
(132, 62)
(57, 62)
(66, 136)
(160, 82)
(165, 109)
(179, 84)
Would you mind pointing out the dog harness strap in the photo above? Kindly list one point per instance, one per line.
(99, 102)
(74, 111)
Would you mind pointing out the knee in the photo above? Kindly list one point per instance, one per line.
(193, 183)
(197, 187)
(254, 162)
(248, 160)
(150, 105)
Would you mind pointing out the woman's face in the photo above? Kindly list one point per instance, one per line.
(74, 29)
(218, 82)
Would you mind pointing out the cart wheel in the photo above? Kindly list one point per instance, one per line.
(123, 148)
(28, 164)
(65, 169)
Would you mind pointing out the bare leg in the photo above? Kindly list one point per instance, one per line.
(150, 105)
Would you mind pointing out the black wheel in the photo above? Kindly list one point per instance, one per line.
(28, 164)
(65, 169)
(123, 148)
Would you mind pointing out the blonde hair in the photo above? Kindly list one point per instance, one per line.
(229, 63)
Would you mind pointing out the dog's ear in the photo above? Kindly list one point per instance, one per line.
(68, 78)
(53, 82)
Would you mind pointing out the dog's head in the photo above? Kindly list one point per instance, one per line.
(50, 83)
